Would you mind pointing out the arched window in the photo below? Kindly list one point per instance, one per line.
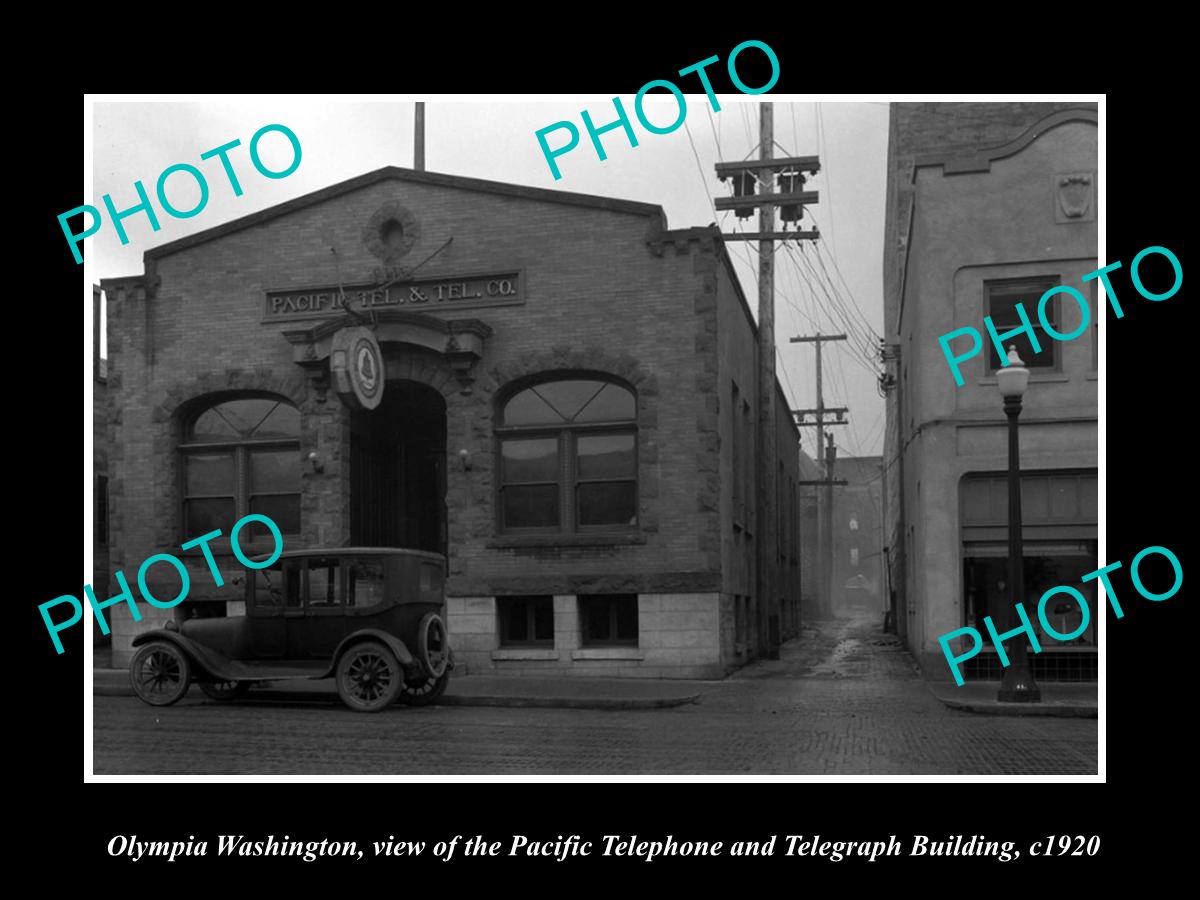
(241, 455)
(568, 458)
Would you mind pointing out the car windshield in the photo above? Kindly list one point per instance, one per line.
(267, 585)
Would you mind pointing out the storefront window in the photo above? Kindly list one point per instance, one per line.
(986, 580)
(568, 458)
(241, 456)
(1059, 510)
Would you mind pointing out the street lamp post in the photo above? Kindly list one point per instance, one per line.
(1017, 685)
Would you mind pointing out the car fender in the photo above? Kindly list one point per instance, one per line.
(209, 662)
(407, 660)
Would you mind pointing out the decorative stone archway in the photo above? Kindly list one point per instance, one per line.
(459, 342)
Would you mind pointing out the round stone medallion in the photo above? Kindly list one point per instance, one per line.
(391, 232)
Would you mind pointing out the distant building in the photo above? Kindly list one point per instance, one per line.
(989, 204)
(858, 571)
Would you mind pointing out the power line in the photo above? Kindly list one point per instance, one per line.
(823, 149)
(863, 339)
(835, 305)
(853, 308)
(850, 294)
(700, 168)
(713, 126)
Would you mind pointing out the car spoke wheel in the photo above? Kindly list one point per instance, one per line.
(369, 677)
(160, 673)
(423, 693)
(224, 690)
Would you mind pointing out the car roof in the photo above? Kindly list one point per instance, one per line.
(352, 551)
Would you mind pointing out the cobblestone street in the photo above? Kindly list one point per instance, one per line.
(843, 699)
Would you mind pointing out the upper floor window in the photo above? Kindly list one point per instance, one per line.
(239, 456)
(1001, 299)
(568, 457)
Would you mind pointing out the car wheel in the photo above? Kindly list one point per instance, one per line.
(369, 677)
(160, 673)
(224, 690)
(424, 693)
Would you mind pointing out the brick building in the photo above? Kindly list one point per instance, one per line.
(568, 414)
(990, 205)
(99, 466)
(814, 605)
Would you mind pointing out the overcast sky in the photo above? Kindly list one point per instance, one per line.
(494, 139)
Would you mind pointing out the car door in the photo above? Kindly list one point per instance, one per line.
(264, 614)
(318, 626)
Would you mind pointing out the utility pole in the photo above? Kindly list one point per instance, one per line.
(768, 490)
(419, 138)
(790, 201)
(827, 526)
(825, 542)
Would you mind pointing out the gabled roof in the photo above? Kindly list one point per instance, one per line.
(395, 173)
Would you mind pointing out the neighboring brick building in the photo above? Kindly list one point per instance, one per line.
(568, 414)
(810, 544)
(99, 466)
(989, 204)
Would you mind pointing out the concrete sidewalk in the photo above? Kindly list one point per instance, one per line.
(469, 690)
(1064, 699)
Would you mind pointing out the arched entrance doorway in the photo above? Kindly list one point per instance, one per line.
(398, 470)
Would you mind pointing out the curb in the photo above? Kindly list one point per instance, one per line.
(569, 702)
(113, 690)
(995, 708)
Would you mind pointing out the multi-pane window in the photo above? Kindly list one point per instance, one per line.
(568, 458)
(608, 619)
(241, 456)
(526, 621)
(1001, 299)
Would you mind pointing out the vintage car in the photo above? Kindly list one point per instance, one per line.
(368, 617)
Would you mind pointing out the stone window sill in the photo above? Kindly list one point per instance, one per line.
(525, 653)
(566, 540)
(1033, 378)
(608, 653)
